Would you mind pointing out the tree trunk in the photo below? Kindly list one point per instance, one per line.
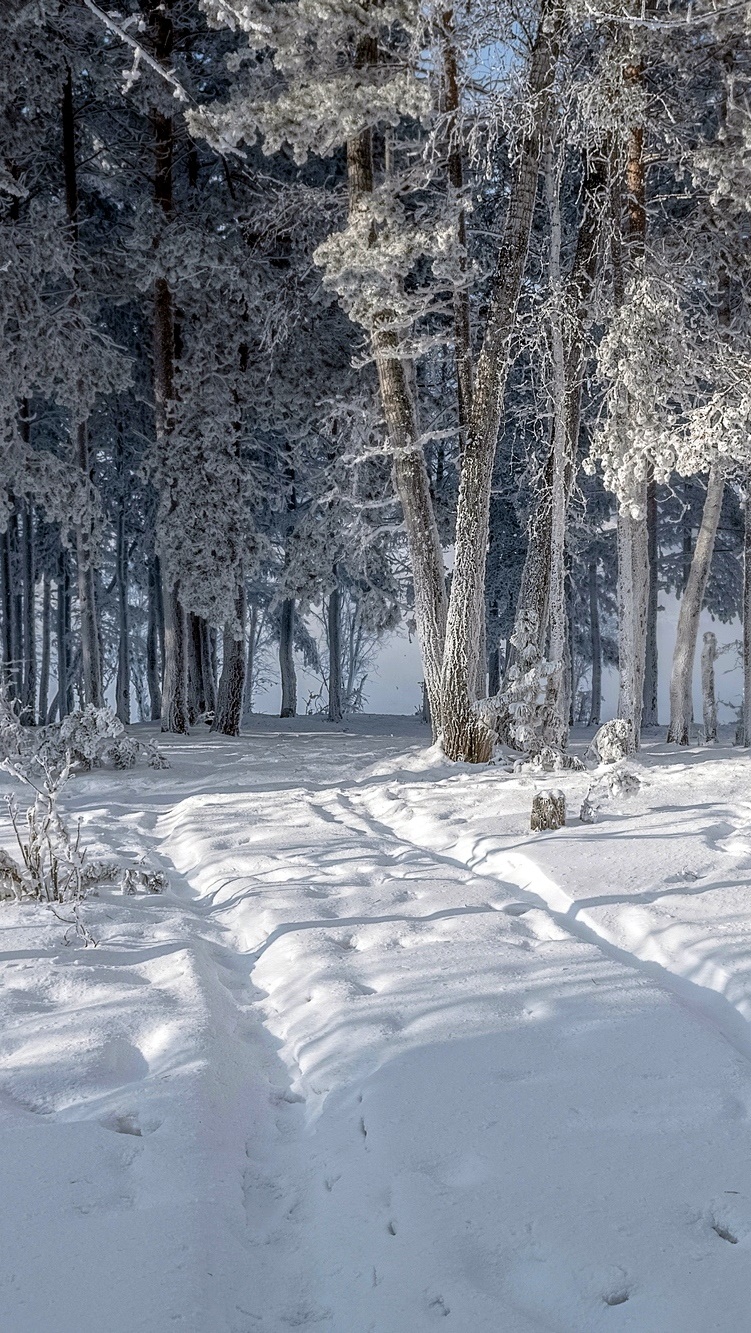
(556, 728)
(649, 715)
(708, 695)
(153, 655)
(250, 663)
(175, 689)
(64, 699)
(287, 658)
(7, 596)
(229, 705)
(122, 683)
(633, 595)
(334, 623)
(410, 473)
(596, 647)
(29, 688)
(207, 668)
(44, 668)
(465, 736)
(534, 590)
(196, 700)
(91, 662)
(746, 712)
(681, 678)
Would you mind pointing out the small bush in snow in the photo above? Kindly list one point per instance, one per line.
(610, 786)
(548, 811)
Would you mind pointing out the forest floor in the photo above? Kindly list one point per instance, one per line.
(380, 1060)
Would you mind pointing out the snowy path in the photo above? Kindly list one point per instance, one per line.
(380, 1062)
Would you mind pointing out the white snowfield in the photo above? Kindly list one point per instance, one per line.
(381, 1061)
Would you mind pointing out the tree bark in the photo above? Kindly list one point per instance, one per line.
(153, 655)
(64, 700)
(91, 662)
(122, 683)
(681, 678)
(410, 473)
(465, 736)
(229, 704)
(29, 687)
(7, 596)
(596, 647)
(287, 658)
(44, 667)
(649, 715)
(708, 695)
(174, 716)
(633, 595)
(334, 624)
(746, 711)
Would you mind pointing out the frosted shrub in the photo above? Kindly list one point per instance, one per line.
(612, 742)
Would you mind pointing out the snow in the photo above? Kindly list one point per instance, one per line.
(380, 1060)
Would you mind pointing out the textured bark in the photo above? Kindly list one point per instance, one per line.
(556, 728)
(595, 706)
(153, 638)
(174, 715)
(649, 715)
(681, 678)
(287, 658)
(746, 713)
(29, 685)
(91, 661)
(633, 594)
(465, 736)
(455, 171)
(409, 470)
(7, 596)
(708, 695)
(208, 680)
(64, 699)
(229, 702)
(44, 666)
(334, 624)
(122, 681)
(534, 590)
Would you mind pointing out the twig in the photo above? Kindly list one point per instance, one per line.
(140, 51)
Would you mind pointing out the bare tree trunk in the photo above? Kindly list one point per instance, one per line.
(44, 667)
(708, 695)
(465, 736)
(91, 662)
(7, 595)
(334, 625)
(229, 704)
(175, 689)
(681, 678)
(29, 688)
(207, 668)
(746, 712)
(287, 658)
(633, 595)
(409, 470)
(534, 590)
(596, 647)
(250, 663)
(153, 655)
(122, 683)
(64, 700)
(556, 729)
(649, 715)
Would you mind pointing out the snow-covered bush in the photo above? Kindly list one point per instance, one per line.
(612, 742)
(86, 738)
(616, 783)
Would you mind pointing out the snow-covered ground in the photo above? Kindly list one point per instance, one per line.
(381, 1061)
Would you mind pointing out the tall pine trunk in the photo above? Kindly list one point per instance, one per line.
(91, 662)
(649, 715)
(681, 677)
(122, 683)
(334, 624)
(595, 705)
(229, 704)
(29, 687)
(465, 736)
(154, 635)
(287, 658)
(746, 711)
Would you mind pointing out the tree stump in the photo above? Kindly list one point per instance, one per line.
(548, 811)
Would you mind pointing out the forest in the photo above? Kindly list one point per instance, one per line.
(319, 320)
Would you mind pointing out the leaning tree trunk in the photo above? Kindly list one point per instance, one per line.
(681, 678)
(410, 473)
(229, 702)
(287, 658)
(746, 712)
(595, 705)
(465, 736)
(334, 623)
